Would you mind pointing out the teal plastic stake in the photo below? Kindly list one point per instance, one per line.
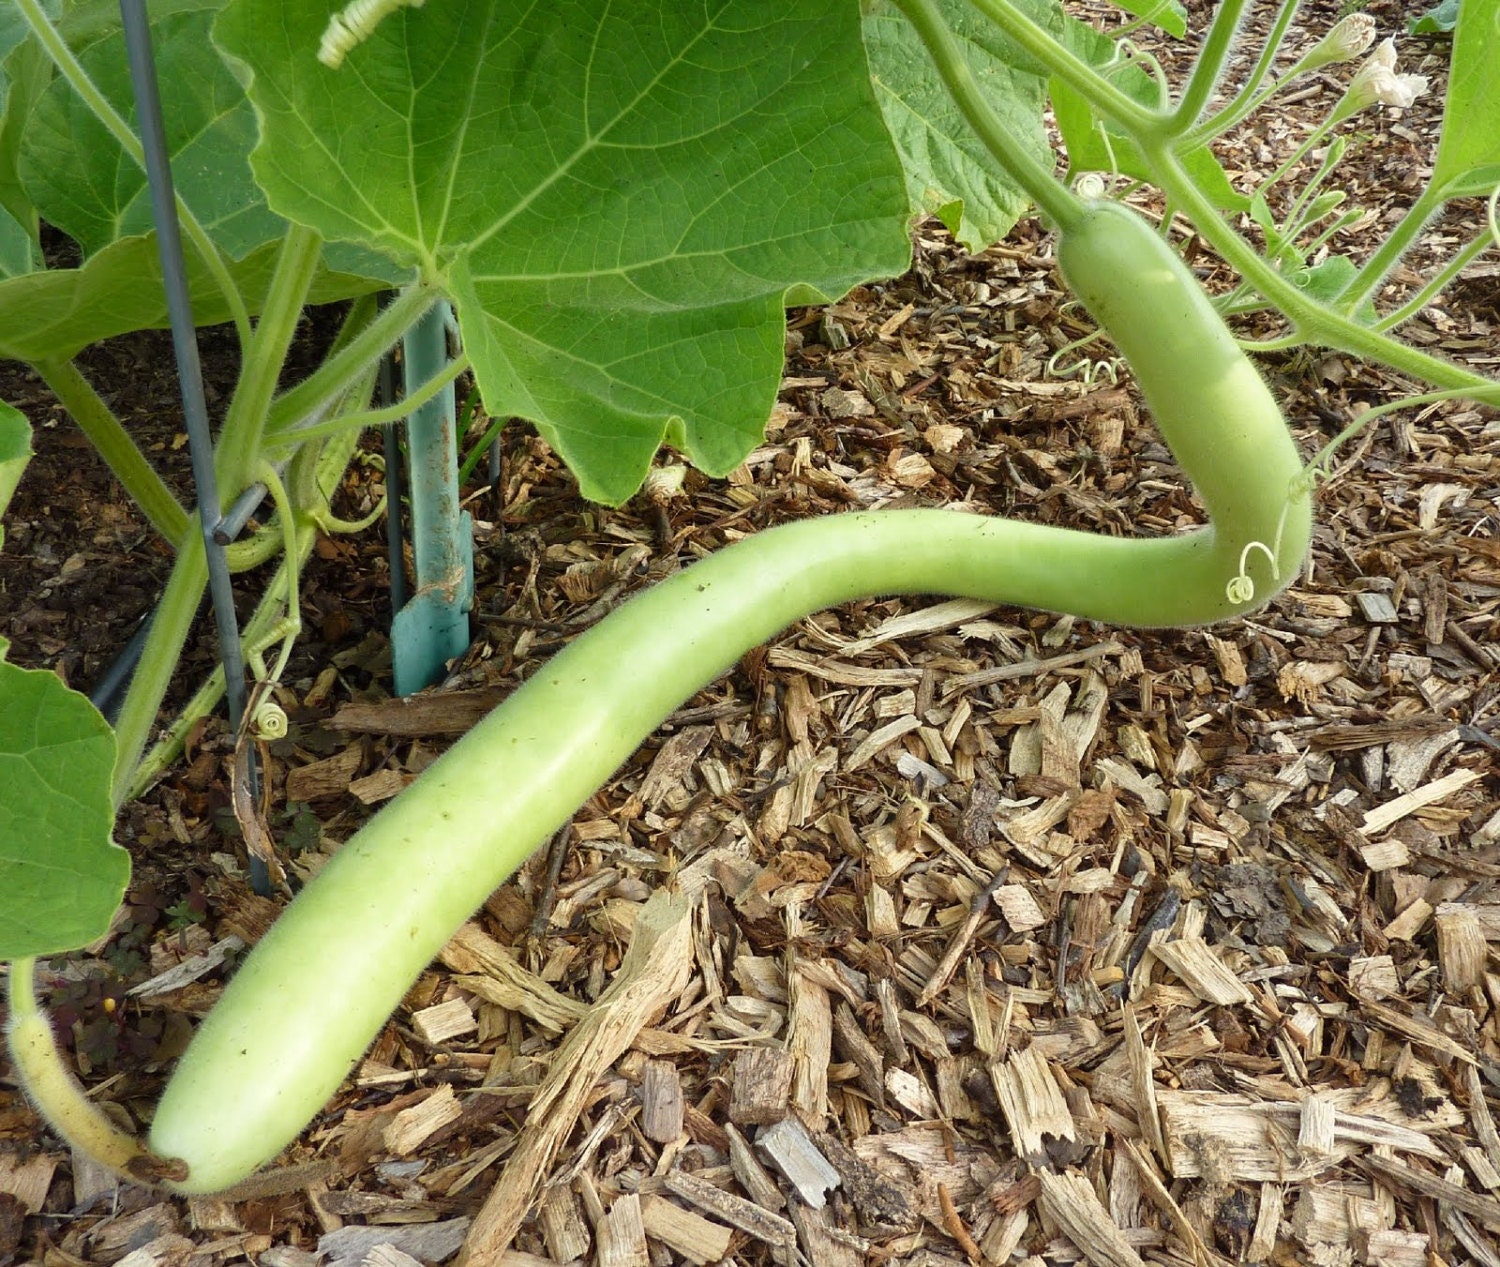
(433, 627)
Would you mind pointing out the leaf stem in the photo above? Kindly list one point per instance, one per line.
(1248, 99)
(314, 394)
(375, 417)
(239, 447)
(1325, 454)
(1108, 100)
(169, 630)
(1439, 281)
(1208, 69)
(1377, 268)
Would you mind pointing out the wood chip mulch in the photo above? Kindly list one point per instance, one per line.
(935, 933)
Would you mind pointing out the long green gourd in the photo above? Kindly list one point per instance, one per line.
(313, 994)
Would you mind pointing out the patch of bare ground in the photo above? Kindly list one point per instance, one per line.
(934, 933)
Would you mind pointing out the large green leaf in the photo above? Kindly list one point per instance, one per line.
(18, 253)
(24, 72)
(61, 877)
(618, 197)
(1468, 161)
(56, 312)
(82, 181)
(949, 173)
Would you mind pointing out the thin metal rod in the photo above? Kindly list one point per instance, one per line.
(237, 516)
(184, 342)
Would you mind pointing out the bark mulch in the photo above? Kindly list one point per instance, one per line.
(934, 933)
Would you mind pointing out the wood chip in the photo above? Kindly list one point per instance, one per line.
(1374, 977)
(1225, 1134)
(761, 1091)
(1264, 1235)
(748, 1216)
(1033, 1104)
(661, 1102)
(1417, 1030)
(494, 975)
(656, 967)
(410, 1128)
(925, 620)
(1485, 1209)
(879, 740)
(328, 777)
(793, 1152)
(1143, 1087)
(622, 1235)
(697, 1239)
(1069, 1201)
(381, 786)
(189, 970)
(1376, 607)
(423, 714)
(754, 1178)
(1193, 961)
(444, 1022)
(560, 1215)
(27, 1181)
(673, 763)
(1383, 816)
(1461, 947)
(427, 1242)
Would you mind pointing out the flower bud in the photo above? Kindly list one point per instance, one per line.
(1351, 35)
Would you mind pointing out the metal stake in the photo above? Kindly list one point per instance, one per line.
(189, 368)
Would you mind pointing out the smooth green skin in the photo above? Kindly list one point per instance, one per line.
(315, 992)
(1210, 402)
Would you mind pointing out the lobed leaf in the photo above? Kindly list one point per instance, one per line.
(83, 182)
(15, 452)
(47, 313)
(619, 200)
(61, 877)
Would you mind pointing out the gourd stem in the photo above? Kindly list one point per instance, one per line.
(34, 1052)
(1313, 322)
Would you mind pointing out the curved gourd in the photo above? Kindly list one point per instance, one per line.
(314, 993)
